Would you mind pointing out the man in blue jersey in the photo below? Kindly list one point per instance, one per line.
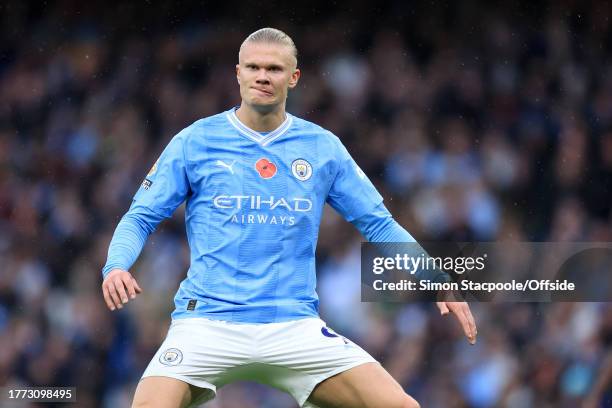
(255, 180)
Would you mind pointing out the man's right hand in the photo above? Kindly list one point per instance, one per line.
(118, 288)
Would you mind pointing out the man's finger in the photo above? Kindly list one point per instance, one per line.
(464, 323)
(459, 312)
(121, 290)
(107, 298)
(112, 290)
(443, 308)
(128, 281)
(138, 290)
(468, 328)
(472, 322)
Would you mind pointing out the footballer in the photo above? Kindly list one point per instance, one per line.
(255, 180)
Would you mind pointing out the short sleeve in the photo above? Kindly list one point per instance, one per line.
(352, 193)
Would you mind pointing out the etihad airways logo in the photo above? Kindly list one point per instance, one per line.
(253, 202)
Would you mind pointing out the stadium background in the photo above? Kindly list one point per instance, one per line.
(477, 121)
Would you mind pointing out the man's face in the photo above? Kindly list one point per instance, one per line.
(266, 72)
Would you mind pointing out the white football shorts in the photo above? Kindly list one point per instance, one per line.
(291, 356)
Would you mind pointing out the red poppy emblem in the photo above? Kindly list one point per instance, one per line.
(265, 168)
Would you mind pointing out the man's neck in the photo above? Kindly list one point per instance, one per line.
(261, 121)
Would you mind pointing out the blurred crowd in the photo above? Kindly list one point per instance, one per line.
(476, 121)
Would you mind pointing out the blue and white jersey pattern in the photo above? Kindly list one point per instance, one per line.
(253, 206)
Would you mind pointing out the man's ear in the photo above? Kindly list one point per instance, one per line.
(295, 77)
(238, 73)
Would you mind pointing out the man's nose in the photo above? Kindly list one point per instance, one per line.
(262, 77)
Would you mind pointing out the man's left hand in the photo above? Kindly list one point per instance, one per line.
(461, 310)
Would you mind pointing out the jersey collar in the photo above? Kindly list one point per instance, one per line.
(262, 139)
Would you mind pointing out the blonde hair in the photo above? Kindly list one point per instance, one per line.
(273, 36)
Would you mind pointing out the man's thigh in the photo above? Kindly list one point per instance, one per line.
(366, 386)
(192, 361)
(164, 392)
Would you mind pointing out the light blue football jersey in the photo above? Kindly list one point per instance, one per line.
(253, 207)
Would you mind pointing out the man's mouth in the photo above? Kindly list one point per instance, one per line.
(263, 91)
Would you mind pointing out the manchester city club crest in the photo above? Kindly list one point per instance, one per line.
(171, 357)
(301, 169)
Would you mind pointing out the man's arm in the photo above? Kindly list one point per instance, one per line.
(379, 226)
(163, 190)
(128, 241)
(354, 196)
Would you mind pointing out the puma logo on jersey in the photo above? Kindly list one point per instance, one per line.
(221, 163)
